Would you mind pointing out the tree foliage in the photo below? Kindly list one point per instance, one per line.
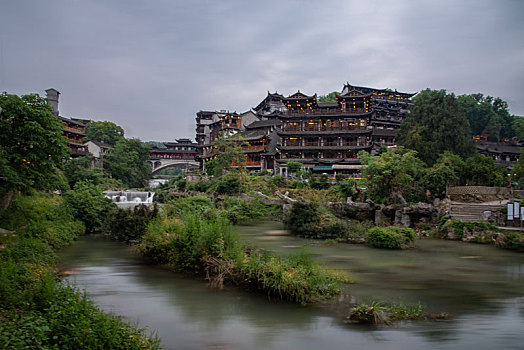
(331, 97)
(481, 170)
(89, 205)
(293, 167)
(488, 116)
(77, 169)
(128, 162)
(229, 153)
(32, 146)
(397, 170)
(107, 132)
(436, 123)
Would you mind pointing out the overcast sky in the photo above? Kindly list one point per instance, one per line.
(149, 66)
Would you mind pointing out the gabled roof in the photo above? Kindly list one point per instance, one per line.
(299, 96)
(354, 93)
(254, 134)
(269, 96)
(100, 144)
(351, 87)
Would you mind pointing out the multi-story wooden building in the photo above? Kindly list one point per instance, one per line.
(326, 137)
(210, 125)
(74, 130)
(390, 109)
(260, 144)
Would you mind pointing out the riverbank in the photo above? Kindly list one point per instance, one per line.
(38, 310)
(195, 235)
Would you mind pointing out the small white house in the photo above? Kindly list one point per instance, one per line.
(98, 150)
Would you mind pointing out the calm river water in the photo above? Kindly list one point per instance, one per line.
(481, 286)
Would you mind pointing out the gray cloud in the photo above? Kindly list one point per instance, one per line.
(150, 66)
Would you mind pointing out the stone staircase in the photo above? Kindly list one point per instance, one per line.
(472, 211)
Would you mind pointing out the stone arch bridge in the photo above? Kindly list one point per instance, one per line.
(158, 164)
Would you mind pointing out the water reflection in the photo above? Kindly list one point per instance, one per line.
(188, 315)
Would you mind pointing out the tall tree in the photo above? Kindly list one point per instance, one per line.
(32, 146)
(228, 149)
(518, 126)
(436, 123)
(394, 171)
(481, 170)
(107, 132)
(128, 162)
(488, 116)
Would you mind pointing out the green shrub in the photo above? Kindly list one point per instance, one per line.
(319, 182)
(244, 212)
(277, 181)
(44, 217)
(38, 312)
(228, 184)
(390, 237)
(186, 241)
(197, 204)
(303, 219)
(205, 243)
(89, 205)
(514, 240)
(376, 313)
(129, 224)
(297, 278)
(181, 185)
(344, 188)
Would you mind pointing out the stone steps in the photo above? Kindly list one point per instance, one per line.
(471, 212)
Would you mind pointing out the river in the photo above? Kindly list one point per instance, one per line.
(482, 287)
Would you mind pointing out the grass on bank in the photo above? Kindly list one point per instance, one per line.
(194, 235)
(37, 310)
(378, 313)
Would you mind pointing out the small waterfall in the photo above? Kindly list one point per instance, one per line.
(130, 198)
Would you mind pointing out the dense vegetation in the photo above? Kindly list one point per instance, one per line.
(107, 132)
(194, 235)
(391, 237)
(436, 123)
(32, 148)
(38, 311)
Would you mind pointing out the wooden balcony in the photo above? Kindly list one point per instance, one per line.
(260, 148)
(361, 130)
(254, 163)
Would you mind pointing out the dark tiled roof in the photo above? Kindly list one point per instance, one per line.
(384, 132)
(100, 144)
(253, 134)
(263, 124)
(69, 120)
(498, 147)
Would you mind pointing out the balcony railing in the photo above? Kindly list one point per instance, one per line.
(327, 111)
(325, 130)
(80, 131)
(253, 163)
(253, 148)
